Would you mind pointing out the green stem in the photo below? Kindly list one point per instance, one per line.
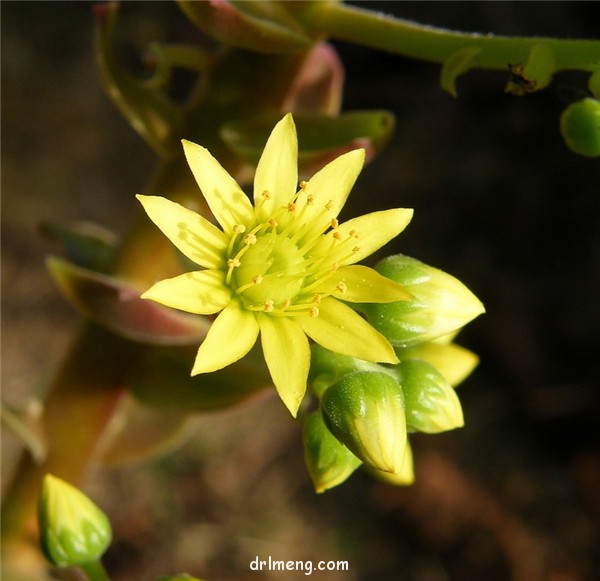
(95, 571)
(368, 28)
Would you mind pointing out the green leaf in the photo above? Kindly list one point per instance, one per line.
(149, 111)
(139, 432)
(116, 305)
(83, 243)
(320, 138)
(264, 27)
(162, 380)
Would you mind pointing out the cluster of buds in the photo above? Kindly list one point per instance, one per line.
(366, 410)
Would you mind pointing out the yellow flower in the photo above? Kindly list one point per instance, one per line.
(283, 268)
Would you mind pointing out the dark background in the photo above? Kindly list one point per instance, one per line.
(499, 201)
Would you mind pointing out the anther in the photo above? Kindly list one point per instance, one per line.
(250, 239)
(291, 207)
(266, 195)
(337, 235)
(353, 234)
(273, 223)
(341, 287)
(239, 228)
(257, 279)
(329, 205)
(310, 199)
(269, 306)
(356, 249)
(303, 184)
(317, 299)
(314, 312)
(334, 223)
(285, 304)
(233, 263)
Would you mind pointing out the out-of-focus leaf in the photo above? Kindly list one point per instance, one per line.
(139, 432)
(321, 138)
(264, 27)
(163, 380)
(118, 306)
(83, 243)
(149, 111)
(318, 86)
(27, 425)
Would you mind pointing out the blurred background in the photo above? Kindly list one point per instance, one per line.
(500, 202)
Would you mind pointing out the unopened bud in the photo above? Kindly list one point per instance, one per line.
(432, 405)
(441, 304)
(365, 411)
(73, 530)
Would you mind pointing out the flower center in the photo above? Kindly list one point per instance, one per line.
(279, 267)
(270, 270)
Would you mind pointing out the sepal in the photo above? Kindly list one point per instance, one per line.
(328, 461)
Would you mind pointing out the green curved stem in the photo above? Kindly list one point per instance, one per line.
(368, 28)
(95, 571)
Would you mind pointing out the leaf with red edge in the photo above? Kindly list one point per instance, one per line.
(116, 305)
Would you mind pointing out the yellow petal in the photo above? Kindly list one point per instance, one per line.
(227, 201)
(201, 241)
(287, 354)
(229, 338)
(329, 187)
(202, 292)
(361, 284)
(277, 170)
(342, 330)
(365, 234)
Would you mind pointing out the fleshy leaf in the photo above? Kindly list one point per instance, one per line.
(264, 27)
(83, 243)
(149, 111)
(27, 425)
(162, 380)
(118, 306)
(320, 138)
(139, 432)
(317, 89)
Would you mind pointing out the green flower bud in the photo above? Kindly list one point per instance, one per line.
(455, 363)
(432, 405)
(73, 530)
(329, 462)
(441, 304)
(580, 127)
(327, 367)
(405, 477)
(365, 411)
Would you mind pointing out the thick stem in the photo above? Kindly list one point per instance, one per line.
(95, 571)
(80, 404)
(368, 28)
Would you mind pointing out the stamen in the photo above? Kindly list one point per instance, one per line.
(314, 312)
(337, 235)
(329, 205)
(310, 200)
(334, 223)
(303, 185)
(291, 207)
(341, 287)
(268, 306)
(250, 239)
(239, 228)
(233, 263)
